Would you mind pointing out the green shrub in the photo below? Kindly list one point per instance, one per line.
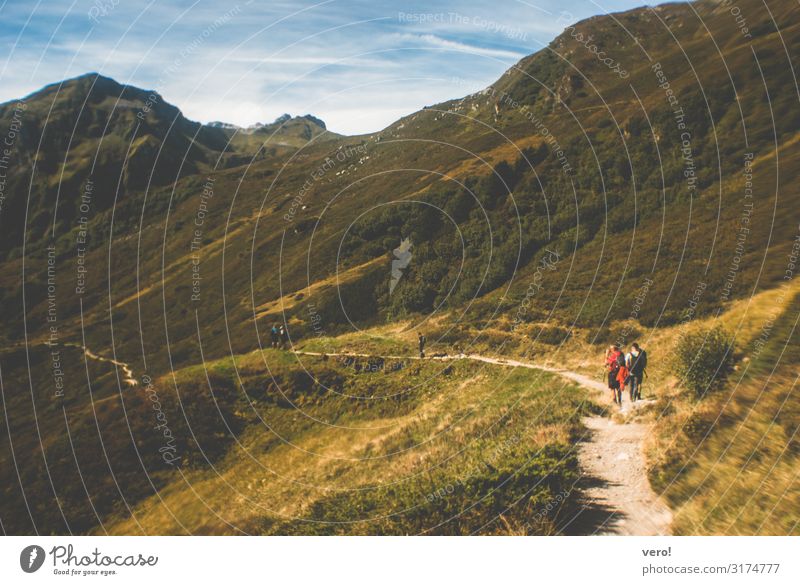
(704, 359)
(551, 335)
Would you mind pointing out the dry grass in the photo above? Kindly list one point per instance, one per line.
(267, 479)
(728, 463)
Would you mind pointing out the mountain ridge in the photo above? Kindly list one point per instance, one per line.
(111, 86)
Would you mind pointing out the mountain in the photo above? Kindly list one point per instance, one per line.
(305, 126)
(635, 179)
(280, 122)
(122, 138)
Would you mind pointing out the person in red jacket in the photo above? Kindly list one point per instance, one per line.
(623, 375)
(612, 366)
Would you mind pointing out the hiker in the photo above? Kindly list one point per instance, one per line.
(623, 379)
(284, 337)
(637, 363)
(421, 346)
(612, 366)
(274, 336)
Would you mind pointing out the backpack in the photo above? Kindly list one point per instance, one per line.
(613, 363)
(639, 363)
(620, 360)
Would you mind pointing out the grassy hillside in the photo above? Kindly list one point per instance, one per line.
(479, 222)
(733, 467)
(313, 445)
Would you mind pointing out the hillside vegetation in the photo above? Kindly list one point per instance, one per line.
(313, 445)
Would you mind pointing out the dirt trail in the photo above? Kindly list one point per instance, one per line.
(617, 495)
(127, 372)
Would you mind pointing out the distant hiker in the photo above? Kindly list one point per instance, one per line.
(637, 363)
(275, 336)
(284, 337)
(421, 346)
(612, 367)
(623, 378)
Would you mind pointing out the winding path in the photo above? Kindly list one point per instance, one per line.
(127, 372)
(617, 496)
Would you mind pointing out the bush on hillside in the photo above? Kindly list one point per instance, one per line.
(551, 335)
(620, 333)
(703, 360)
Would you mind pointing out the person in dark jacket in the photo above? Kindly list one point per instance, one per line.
(637, 363)
(275, 336)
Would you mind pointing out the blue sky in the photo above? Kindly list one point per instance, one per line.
(358, 65)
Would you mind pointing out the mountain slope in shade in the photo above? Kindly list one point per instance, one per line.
(561, 154)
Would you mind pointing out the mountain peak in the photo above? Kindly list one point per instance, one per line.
(83, 83)
(315, 120)
(281, 120)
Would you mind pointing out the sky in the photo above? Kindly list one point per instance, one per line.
(356, 64)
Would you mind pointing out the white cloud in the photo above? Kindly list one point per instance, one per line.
(436, 41)
(354, 64)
